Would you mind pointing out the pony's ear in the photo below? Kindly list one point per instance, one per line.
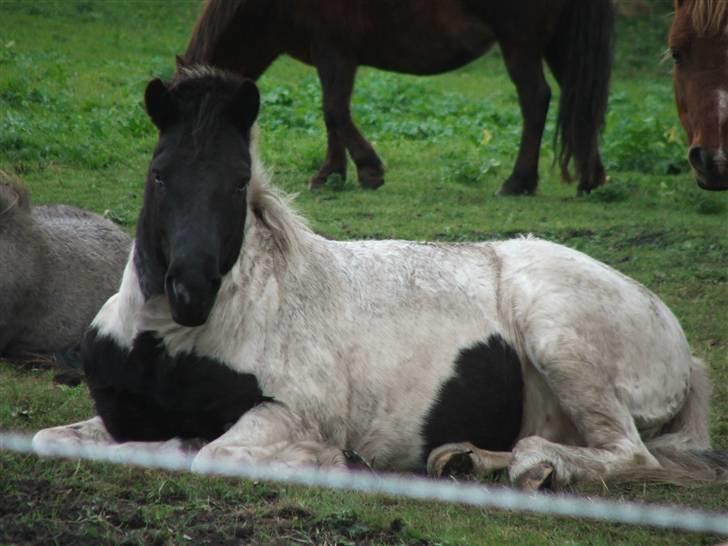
(159, 103)
(180, 62)
(245, 104)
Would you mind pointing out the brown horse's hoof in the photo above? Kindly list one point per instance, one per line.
(584, 189)
(371, 176)
(589, 183)
(371, 183)
(518, 186)
(320, 179)
(371, 180)
(316, 183)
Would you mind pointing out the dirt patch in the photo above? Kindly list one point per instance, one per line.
(39, 511)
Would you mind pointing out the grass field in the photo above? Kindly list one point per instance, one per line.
(72, 74)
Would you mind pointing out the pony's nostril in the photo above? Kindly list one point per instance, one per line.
(177, 290)
(181, 293)
(698, 158)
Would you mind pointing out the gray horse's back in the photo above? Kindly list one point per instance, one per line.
(62, 264)
(86, 258)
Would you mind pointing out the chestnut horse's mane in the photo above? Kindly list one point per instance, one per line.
(708, 17)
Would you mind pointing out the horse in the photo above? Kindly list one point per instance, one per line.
(242, 336)
(59, 265)
(574, 37)
(698, 45)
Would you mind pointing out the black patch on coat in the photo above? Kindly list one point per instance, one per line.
(147, 395)
(481, 403)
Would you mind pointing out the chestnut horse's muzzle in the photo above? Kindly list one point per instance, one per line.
(710, 167)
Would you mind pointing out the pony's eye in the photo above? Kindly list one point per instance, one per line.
(158, 179)
(242, 184)
(676, 55)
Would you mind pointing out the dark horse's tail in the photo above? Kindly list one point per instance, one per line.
(580, 55)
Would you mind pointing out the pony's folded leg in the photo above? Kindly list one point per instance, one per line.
(67, 438)
(268, 434)
(177, 450)
(465, 458)
(538, 463)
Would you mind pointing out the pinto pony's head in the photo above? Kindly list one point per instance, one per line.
(698, 42)
(190, 229)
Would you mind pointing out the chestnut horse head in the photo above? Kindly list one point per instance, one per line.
(698, 42)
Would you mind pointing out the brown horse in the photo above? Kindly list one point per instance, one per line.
(574, 37)
(698, 42)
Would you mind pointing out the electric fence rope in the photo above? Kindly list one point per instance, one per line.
(412, 487)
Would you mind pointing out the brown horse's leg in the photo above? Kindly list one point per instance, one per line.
(526, 70)
(337, 83)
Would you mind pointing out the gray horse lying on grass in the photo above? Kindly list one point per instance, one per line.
(236, 324)
(58, 264)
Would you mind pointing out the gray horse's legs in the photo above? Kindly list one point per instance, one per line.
(337, 75)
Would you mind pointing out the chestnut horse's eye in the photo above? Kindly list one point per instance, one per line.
(676, 55)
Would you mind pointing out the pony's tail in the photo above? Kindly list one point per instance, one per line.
(580, 56)
(683, 450)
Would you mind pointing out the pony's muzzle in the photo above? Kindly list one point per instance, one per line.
(191, 295)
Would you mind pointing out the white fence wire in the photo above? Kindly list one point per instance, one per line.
(672, 517)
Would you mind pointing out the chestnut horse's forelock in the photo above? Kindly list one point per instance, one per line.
(707, 17)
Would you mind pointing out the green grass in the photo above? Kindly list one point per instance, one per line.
(72, 74)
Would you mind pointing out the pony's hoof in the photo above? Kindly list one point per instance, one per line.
(536, 478)
(517, 186)
(450, 460)
(353, 460)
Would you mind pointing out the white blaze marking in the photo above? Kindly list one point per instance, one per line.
(722, 105)
(722, 119)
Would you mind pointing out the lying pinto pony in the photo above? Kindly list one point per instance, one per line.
(235, 323)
